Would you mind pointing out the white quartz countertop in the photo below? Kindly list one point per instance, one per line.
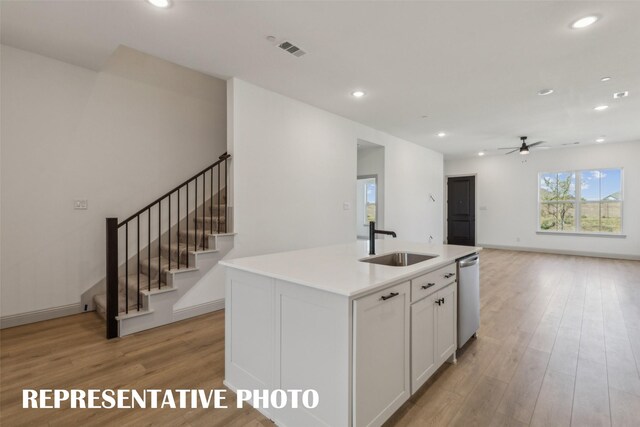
(337, 268)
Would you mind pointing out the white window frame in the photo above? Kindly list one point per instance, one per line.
(577, 201)
(375, 181)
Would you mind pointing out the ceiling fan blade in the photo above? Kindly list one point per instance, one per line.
(536, 143)
(508, 148)
(513, 151)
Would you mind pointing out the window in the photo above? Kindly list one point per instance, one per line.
(587, 201)
(370, 200)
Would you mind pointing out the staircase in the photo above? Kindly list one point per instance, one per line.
(157, 255)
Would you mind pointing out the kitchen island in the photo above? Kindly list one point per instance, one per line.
(364, 336)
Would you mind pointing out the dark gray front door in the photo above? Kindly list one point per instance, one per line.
(461, 211)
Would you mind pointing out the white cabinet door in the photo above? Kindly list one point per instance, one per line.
(423, 354)
(381, 354)
(445, 323)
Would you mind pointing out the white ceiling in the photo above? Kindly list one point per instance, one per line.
(472, 67)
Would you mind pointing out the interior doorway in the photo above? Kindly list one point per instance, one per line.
(370, 188)
(461, 210)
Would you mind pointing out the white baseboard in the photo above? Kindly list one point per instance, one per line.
(562, 252)
(197, 310)
(39, 315)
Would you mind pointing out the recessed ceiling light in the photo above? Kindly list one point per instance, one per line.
(544, 92)
(605, 79)
(160, 3)
(618, 95)
(600, 140)
(357, 94)
(441, 134)
(584, 22)
(601, 107)
(481, 153)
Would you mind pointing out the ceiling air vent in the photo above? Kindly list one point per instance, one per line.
(292, 49)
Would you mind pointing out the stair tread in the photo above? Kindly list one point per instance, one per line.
(133, 281)
(101, 302)
(207, 232)
(164, 265)
(154, 262)
(220, 218)
(174, 246)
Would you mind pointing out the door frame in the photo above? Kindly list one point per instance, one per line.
(445, 203)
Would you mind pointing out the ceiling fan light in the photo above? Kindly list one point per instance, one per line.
(524, 150)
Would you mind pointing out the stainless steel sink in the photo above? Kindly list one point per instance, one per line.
(398, 259)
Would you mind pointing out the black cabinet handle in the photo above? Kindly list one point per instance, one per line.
(446, 276)
(437, 302)
(427, 286)
(391, 295)
(442, 300)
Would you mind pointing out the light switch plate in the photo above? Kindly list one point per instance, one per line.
(81, 204)
(346, 206)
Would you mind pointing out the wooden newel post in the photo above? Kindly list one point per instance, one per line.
(112, 277)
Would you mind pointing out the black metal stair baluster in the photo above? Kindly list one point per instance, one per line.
(138, 269)
(226, 196)
(204, 186)
(195, 217)
(211, 198)
(149, 249)
(218, 223)
(126, 267)
(169, 231)
(178, 235)
(159, 237)
(187, 207)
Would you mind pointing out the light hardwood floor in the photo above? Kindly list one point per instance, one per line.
(559, 345)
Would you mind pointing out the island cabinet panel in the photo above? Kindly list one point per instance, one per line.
(446, 316)
(423, 352)
(428, 283)
(312, 352)
(381, 354)
(249, 331)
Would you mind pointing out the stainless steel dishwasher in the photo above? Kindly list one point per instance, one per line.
(468, 298)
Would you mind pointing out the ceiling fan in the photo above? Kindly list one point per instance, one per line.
(524, 148)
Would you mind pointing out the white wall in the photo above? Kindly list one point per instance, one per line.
(370, 162)
(508, 189)
(119, 138)
(295, 165)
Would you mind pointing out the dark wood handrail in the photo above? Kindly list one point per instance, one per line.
(221, 159)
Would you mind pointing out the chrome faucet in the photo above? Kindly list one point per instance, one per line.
(372, 236)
